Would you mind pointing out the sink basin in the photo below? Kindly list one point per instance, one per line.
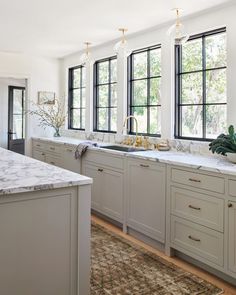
(127, 149)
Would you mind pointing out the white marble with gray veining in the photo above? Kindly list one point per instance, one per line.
(23, 174)
(213, 163)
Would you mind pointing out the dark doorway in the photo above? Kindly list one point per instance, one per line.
(16, 123)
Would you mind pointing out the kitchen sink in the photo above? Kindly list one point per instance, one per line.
(127, 149)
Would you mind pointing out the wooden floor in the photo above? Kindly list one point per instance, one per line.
(228, 289)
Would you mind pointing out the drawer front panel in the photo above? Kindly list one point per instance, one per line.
(53, 148)
(202, 181)
(232, 187)
(102, 159)
(199, 208)
(204, 243)
(38, 145)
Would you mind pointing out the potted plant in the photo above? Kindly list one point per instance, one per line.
(50, 116)
(225, 144)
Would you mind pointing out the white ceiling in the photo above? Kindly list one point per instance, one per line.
(56, 28)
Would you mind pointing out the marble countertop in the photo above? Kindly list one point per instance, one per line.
(214, 163)
(23, 174)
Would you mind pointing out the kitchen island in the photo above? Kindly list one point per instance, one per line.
(44, 228)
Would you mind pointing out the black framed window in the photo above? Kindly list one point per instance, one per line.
(144, 97)
(201, 100)
(105, 95)
(77, 98)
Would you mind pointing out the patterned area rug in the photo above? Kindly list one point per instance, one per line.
(120, 267)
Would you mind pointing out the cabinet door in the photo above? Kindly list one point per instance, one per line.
(146, 198)
(95, 173)
(39, 155)
(232, 236)
(112, 194)
(69, 161)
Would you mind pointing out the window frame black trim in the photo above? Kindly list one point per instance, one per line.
(70, 96)
(95, 94)
(204, 70)
(130, 80)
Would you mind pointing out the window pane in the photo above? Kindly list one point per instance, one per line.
(216, 119)
(192, 55)
(216, 86)
(155, 87)
(140, 92)
(140, 65)
(192, 88)
(155, 120)
(102, 119)
(113, 70)
(76, 98)
(191, 121)
(76, 118)
(103, 95)
(141, 114)
(83, 118)
(155, 62)
(17, 103)
(17, 126)
(103, 72)
(113, 119)
(216, 51)
(76, 78)
(113, 95)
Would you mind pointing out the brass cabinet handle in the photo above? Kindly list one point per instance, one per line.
(52, 148)
(100, 169)
(43, 154)
(69, 150)
(53, 163)
(38, 145)
(194, 208)
(230, 205)
(194, 239)
(194, 180)
(144, 166)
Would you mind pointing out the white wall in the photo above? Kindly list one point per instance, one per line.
(4, 83)
(195, 24)
(42, 74)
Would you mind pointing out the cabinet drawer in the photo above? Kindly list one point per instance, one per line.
(53, 160)
(38, 145)
(232, 188)
(104, 159)
(53, 148)
(203, 243)
(199, 208)
(202, 181)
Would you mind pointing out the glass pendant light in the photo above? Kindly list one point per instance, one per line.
(122, 44)
(85, 57)
(177, 31)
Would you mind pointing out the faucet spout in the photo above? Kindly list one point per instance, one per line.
(136, 122)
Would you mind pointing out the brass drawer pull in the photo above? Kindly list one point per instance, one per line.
(100, 169)
(43, 154)
(230, 205)
(53, 163)
(194, 239)
(69, 150)
(52, 148)
(194, 180)
(193, 207)
(144, 166)
(38, 145)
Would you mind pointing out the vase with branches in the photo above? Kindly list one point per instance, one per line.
(50, 115)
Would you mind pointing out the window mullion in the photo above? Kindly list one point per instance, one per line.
(148, 91)
(109, 95)
(204, 85)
